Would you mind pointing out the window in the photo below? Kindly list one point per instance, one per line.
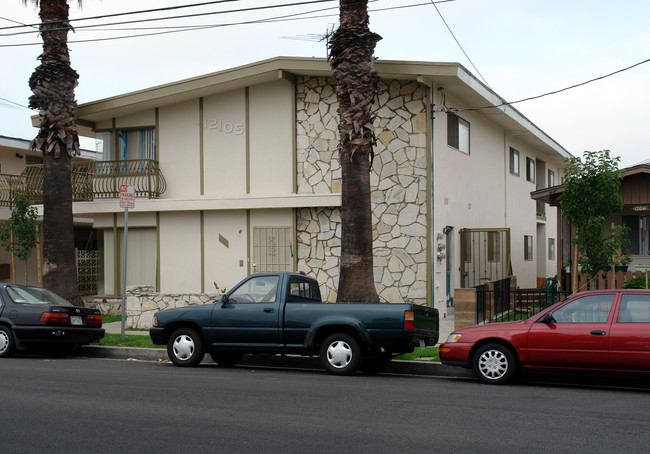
(634, 309)
(588, 309)
(132, 144)
(638, 236)
(530, 170)
(514, 162)
(457, 133)
(551, 248)
(303, 290)
(261, 289)
(551, 178)
(528, 247)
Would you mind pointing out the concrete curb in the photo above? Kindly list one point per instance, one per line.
(276, 361)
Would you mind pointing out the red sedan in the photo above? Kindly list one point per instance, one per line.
(596, 331)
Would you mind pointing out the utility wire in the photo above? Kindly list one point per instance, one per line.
(459, 45)
(176, 29)
(184, 16)
(505, 103)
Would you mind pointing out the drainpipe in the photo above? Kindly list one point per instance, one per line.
(432, 233)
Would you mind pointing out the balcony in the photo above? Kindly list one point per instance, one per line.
(90, 180)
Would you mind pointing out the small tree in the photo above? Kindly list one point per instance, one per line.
(22, 235)
(591, 194)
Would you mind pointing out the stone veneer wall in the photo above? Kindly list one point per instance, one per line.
(142, 302)
(398, 182)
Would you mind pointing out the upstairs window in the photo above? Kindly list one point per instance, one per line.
(131, 144)
(457, 133)
(514, 162)
(551, 178)
(530, 170)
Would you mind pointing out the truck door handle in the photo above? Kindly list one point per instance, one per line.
(268, 310)
(598, 333)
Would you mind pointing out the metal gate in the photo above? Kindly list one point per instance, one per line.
(484, 256)
(272, 249)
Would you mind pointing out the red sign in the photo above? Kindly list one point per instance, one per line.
(127, 196)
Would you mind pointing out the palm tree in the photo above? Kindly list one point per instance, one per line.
(351, 59)
(53, 83)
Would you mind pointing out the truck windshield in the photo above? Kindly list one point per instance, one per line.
(259, 289)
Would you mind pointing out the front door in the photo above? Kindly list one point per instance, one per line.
(250, 317)
(577, 338)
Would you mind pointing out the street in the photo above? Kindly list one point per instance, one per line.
(113, 406)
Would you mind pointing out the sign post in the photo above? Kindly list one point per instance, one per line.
(127, 200)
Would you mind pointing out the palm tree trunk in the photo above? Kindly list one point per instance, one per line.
(351, 59)
(53, 83)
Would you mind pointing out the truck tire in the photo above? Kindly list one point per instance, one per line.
(495, 364)
(185, 347)
(377, 363)
(7, 343)
(226, 359)
(340, 354)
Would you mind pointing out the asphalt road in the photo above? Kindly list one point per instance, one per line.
(74, 405)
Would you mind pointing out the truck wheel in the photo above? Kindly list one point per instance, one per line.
(7, 344)
(185, 348)
(495, 364)
(226, 359)
(340, 354)
(376, 364)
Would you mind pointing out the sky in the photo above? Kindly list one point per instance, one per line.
(519, 48)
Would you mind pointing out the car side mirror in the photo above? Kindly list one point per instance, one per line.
(547, 318)
(224, 300)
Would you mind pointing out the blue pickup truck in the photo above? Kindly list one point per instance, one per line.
(282, 313)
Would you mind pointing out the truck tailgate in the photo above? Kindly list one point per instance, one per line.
(426, 324)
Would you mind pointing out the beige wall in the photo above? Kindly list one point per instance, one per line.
(180, 252)
(272, 128)
(224, 144)
(178, 148)
(225, 264)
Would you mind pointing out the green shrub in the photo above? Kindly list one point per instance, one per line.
(636, 282)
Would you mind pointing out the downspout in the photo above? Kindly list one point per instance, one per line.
(431, 233)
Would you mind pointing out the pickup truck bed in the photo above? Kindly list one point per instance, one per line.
(281, 313)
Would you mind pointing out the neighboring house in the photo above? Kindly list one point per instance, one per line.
(635, 192)
(236, 172)
(16, 156)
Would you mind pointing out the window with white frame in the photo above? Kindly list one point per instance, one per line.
(457, 133)
(528, 247)
(514, 162)
(530, 170)
(551, 178)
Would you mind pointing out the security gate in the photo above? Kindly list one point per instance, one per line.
(484, 255)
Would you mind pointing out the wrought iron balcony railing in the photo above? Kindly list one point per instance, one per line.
(90, 180)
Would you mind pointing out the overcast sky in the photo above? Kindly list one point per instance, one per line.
(522, 48)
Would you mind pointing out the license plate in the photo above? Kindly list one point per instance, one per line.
(76, 320)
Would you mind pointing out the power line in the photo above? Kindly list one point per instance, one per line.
(505, 103)
(152, 19)
(459, 45)
(177, 29)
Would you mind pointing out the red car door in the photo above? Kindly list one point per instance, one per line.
(577, 335)
(630, 333)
